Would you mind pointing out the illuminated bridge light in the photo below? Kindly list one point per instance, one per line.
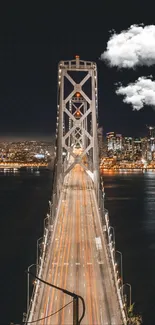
(78, 94)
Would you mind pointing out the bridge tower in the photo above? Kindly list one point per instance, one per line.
(77, 113)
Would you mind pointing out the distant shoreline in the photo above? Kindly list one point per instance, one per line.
(102, 170)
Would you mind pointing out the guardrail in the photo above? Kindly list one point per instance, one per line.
(117, 279)
(36, 289)
(104, 217)
(48, 232)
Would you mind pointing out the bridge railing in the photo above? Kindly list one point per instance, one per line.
(40, 268)
(41, 263)
(104, 215)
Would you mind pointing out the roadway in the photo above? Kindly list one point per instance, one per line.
(77, 260)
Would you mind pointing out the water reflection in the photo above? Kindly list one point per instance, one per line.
(130, 199)
(149, 223)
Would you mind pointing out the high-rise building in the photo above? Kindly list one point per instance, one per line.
(144, 147)
(118, 142)
(128, 148)
(114, 143)
(151, 143)
(151, 131)
(137, 148)
(110, 136)
(100, 140)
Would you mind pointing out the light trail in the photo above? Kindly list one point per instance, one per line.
(73, 259)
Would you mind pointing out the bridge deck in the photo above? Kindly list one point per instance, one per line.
(78, 259)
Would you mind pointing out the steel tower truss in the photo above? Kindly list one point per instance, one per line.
(77, 114)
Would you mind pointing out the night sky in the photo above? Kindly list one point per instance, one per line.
(35, 36)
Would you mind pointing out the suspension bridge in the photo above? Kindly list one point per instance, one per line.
(76, 252)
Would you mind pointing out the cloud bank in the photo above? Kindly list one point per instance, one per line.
(132, 47)
(139, 93)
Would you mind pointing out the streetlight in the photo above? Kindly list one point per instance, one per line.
(48, 216)
(38, 242)
(28, 285)
(121, 265)
(106, 217)
(129, 285)
(76, 320)
(50, 207)
(50, 204)
(113, 233)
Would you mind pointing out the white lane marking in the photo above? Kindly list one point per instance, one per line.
(69, 311)
(89, 263)
(66, 263)
(77, 263)
(56, 298)
(84, 284)
(83, 274)
(71, 274)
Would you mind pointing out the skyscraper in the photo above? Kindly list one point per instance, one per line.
(151, 142)
(110, 141)
(100, 140)
(128, 148)
(137, 148)
(114, 143)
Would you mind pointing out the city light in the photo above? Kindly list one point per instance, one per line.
(119, 152)
(26, 154)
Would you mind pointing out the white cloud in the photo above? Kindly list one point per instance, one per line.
(132, 47)
(139, 93)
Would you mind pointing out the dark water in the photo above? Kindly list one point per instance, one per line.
(130, 199)
(23, 205)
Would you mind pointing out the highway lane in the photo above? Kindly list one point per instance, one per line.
(76, 261)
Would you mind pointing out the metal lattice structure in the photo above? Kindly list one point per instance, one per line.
(77, 114)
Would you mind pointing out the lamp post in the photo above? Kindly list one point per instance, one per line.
(130, 289)
(28, 285)
(106, 218)
(113, 233)
(76, 320)
(121, 264)
(38, 242)
(45, 220)
(50, 207)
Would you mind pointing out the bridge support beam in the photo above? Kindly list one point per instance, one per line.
(77, 114)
